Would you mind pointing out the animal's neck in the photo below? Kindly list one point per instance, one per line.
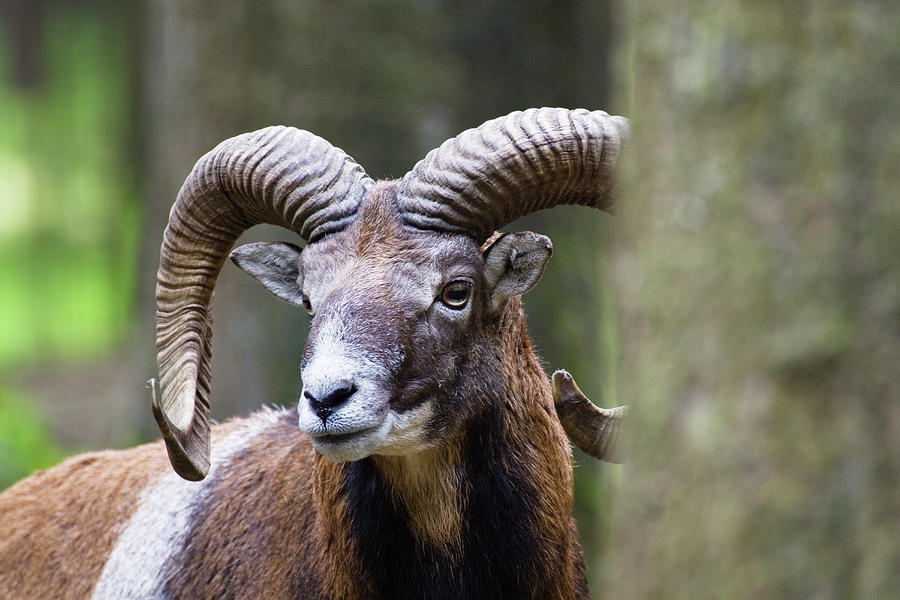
(429, 489)
(488, 518)
(486, 514)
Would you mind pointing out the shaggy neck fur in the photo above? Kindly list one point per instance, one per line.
(486, 517)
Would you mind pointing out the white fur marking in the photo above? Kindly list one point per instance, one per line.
(335, 359)
(161, 523)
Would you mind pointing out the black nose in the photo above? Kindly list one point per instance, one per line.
(328, 402)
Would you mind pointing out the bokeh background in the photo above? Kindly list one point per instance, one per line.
(745, 301)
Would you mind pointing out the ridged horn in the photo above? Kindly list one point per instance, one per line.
(277, 175)
(594, 430)
(511, 166)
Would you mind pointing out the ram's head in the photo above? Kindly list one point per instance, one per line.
(408, 284)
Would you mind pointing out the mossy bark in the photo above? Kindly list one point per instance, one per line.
(758, 278)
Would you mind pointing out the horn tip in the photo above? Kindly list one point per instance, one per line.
(189, 457)
(564, 388)
(622, 125)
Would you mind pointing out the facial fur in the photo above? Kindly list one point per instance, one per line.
(402, 326)
(381, 329)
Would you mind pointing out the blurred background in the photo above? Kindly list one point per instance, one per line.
(745, 301)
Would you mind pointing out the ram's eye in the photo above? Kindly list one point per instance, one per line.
(306, 303)
(456, 294)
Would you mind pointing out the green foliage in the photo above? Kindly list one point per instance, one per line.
(68, 218)
(25, 441)
(68, 222)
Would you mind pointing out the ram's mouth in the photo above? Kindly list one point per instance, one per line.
(340, 438)
(347, 446)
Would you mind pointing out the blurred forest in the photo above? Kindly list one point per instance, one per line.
(745, 302)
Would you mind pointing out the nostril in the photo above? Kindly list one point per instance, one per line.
(338, 396)
(331, 399)
(328, 402)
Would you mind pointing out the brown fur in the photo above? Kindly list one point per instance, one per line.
(429, 486)
(282, 540)
(533, 428)
(58, 526)
(261, 531)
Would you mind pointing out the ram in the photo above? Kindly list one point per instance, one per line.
(426, 457)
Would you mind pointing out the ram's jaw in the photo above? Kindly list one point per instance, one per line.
(367, 425)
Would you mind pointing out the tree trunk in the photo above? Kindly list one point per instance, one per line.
(758, 280)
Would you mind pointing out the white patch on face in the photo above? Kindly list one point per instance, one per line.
(364, 424)
(335, 361)
(160, 525)
(398, 434)
(404, 433)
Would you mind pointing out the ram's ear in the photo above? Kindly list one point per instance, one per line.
(276, 265)
(514, 263)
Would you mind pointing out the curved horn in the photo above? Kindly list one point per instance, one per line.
(278, 175)
(526, 161)
(594, 430)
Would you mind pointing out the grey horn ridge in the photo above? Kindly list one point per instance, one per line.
(511, 166)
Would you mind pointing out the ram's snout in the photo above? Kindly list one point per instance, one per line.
(349, 370)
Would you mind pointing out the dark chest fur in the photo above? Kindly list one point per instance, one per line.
(500, 555)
